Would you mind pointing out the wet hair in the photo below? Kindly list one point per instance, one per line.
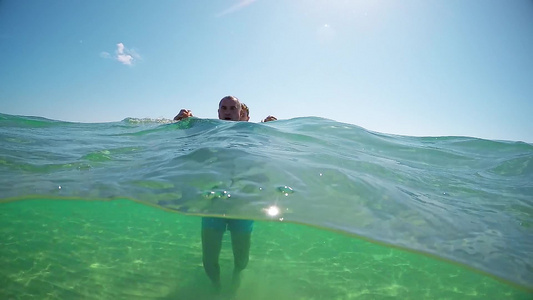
(244, 107)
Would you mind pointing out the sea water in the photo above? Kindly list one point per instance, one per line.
(112, 210)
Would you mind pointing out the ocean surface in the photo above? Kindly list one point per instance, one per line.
(112, 210)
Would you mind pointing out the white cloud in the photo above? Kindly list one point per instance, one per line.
(242, 4)
(123, 55)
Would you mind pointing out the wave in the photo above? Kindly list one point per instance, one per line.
(461, 199)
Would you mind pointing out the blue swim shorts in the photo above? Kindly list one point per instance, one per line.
(233, 225)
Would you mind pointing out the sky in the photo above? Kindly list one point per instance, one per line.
(417, 68)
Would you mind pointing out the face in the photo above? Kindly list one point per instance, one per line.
(229, 109)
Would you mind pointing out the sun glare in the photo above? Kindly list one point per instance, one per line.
(272, 211)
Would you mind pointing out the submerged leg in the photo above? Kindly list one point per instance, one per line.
(211, 245)
(240, 242)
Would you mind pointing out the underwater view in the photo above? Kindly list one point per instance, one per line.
(113, 210)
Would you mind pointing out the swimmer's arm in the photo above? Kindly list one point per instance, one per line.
(183, 114)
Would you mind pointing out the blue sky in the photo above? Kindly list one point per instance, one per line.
(421, 68)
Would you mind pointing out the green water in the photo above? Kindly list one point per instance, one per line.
(466, 202)
(64, 249)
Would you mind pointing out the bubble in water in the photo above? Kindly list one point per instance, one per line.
(217, 194)
(84, 167)
(209, 195)
(222, 194)
(285, 190)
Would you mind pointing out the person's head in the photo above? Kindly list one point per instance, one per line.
(245, 112)
(229, 108)
(269, 118)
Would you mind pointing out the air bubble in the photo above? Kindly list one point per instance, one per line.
(222, 194)
(285, 190)
(217, 194)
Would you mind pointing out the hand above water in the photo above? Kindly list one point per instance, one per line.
(183, 114)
